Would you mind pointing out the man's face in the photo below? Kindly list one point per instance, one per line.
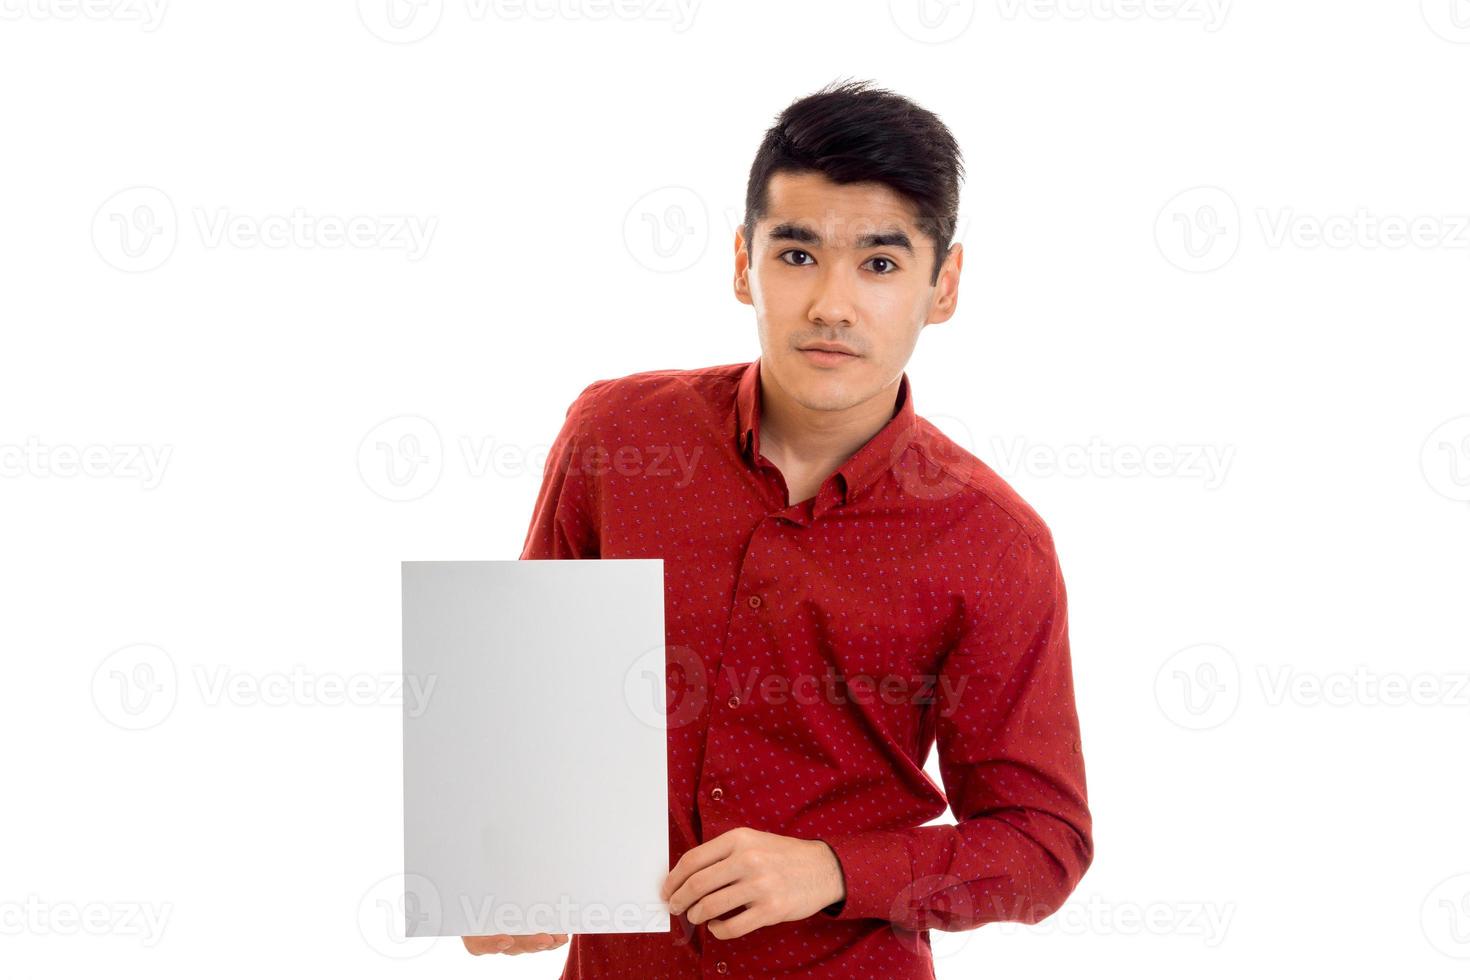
(841, 264)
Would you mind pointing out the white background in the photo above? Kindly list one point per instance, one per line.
(1184, 227)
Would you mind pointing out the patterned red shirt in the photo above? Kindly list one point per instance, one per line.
(816, 651)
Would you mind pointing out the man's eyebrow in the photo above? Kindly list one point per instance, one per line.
(792, 232)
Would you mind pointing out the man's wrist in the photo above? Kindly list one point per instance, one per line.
(839, 887)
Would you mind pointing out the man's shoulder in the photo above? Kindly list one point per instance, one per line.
(966, 474)
(612, 399)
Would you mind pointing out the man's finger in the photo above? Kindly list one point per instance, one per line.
(513, 945)
(479, 945)
(702, 883)
(716, 903)
(736, 926)
(533, 944)
(697, 859)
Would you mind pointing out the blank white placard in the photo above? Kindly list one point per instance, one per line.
(535, 765)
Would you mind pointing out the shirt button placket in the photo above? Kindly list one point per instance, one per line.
(754, 602)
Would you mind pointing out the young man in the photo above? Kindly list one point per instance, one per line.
(844, 587)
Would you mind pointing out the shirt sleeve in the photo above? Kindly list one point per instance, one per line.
(564, 522)
(1010, 758)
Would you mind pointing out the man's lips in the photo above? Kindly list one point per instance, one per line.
(827, 358)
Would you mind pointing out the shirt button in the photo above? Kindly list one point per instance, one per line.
(721, 967)
(734, 701)
(755, 602)
(717, 794)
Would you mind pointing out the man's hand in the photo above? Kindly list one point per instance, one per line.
(777, 879)
(513, 945)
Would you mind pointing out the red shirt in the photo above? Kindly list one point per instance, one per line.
(816, 651)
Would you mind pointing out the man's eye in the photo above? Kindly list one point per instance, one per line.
(795, 251)
(892, 266)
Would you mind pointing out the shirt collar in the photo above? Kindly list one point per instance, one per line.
(871, 461)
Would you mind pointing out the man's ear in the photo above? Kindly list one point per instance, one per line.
(947, 289)
(742, 269)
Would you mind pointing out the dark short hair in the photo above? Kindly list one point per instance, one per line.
(852, 131)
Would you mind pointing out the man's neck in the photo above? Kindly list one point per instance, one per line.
(794, 436)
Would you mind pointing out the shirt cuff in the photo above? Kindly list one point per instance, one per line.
(876, 870)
